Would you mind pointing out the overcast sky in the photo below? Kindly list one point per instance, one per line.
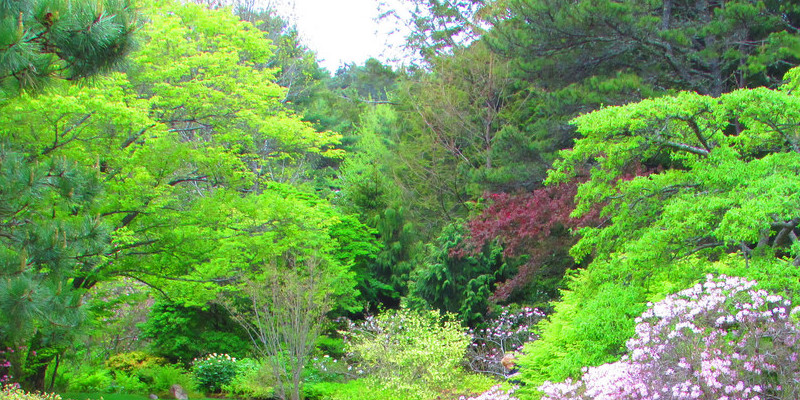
(342, 31)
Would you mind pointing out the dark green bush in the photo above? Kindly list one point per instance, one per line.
(181, 334)
(214, 371)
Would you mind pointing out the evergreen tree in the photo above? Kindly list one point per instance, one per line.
(43, 39)
(48, 232)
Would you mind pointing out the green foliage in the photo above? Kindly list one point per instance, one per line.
(683, 46)
(214, 371)
(332, 346)
(135, 360)
(180, 333)
(370, 389)
(155, 379)
(254, 380)
(722, 199)
(91, 380)
(418, 354)
(159, 379)
(49, 232)
(589, 326)
(45, 39)
(129, 383)
(460, 284)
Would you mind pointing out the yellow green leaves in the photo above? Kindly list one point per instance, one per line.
(188, 144)
(204, 73)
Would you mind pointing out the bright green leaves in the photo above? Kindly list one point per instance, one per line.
(720, 192)
(188, 145)
(205, 77)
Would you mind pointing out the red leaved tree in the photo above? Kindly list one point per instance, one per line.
(535, 224)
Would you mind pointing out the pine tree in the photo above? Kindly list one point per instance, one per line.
(49, 233)
(45, 39)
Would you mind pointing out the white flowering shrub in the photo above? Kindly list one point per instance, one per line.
(504, 334)
(214, 371)
(721, 339)
(13, 392)
(413, 353)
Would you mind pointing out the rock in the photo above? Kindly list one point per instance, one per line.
(177, 392)
(153, 397)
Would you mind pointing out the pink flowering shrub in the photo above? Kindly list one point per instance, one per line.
(495, 393)
(506, 333)
(721, 339)
(5, 369)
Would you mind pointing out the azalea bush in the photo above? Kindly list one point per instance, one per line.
(5, 367)
(495, 393)
(721, 339)
(13, 392)
(504, 334)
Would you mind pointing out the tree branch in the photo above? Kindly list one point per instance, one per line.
(684, 147)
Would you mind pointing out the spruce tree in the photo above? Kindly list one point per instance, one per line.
(45, 39)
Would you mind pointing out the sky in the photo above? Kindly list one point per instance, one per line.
(342, 31)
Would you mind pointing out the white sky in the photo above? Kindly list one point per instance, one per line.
(342, 31)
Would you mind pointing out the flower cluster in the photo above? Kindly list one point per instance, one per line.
(504, 334)
(5, 365)
(13, 392)
(214, 371)
(495, 393)
(721, 339)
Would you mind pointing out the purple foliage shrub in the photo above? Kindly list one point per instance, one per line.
(506, 333)
(721, 339)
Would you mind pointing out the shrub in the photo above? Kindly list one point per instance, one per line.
(495, 393)
(159, 378)
(135, 360)
(413, 353)
(721, 339)
(92, 380)
(253, 380)
(129, 383)
(506, 333)
(214, 371)
(13, 392)
(5, 367)
(181, 333)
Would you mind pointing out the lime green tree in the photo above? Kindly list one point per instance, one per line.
(195, 156)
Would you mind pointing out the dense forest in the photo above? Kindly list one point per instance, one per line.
(586, 199)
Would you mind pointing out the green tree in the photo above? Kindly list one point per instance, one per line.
(44, 39)
(49, 231)
(459, 284)
(709, 47)
(196, 153)
(722, 200)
